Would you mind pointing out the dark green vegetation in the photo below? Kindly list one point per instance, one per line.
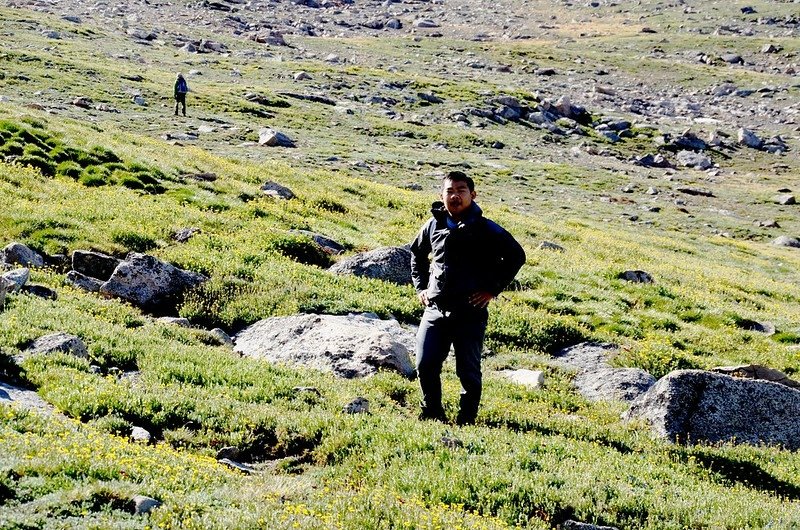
(79, 178)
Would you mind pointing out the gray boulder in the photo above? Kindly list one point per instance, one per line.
(785, 199)
(94, 264)
(17, 253)
(695, 160)
(596, 379)
(81, 281)
(59, 342)
(143, 505)
(359, 405)
(786, 241)
(272, 138)
(221, 338)
(391, 264)
(278, 191)
(349, 346)
(749, 138)
(622, 384)
(150, 283)
(695, 405)
(524, 377)
(141, 435)
(16, 279)
(636, 277)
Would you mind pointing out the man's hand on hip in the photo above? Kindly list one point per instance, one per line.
(481, 299)
(423, 298)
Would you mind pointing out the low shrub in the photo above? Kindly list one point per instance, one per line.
(134, 241)
(301, 249)
(69, 168)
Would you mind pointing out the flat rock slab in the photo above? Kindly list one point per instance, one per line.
(349, 346)
(695, 405)
(27, 399)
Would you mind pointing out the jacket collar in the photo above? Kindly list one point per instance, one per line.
(472, 214)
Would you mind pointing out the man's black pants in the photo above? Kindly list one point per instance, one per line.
(464, 329)
(180, 99)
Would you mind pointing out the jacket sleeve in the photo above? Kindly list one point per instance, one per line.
(510, 259)
(175, 89)
(420, 260)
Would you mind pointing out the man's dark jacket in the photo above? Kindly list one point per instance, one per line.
(476, 255)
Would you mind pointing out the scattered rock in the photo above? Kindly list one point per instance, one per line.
(575, 525)
(59, 342)
(757, 371)
(81, 281)
(425, 23)
(697, 406)
(16, 279)
(689, 190)
(391, 264)
(786, 241)
(770, 48)
(205, 176)
(785, 200)
(302, 76)
(244, 468)
(141, 435)
(636, 276)
(185, 234)
(328, 245)
(150, 283)
(359, 405)
(222, 338)
(40, 291)
(175, 321)
(451, 442)
(732, 58)
(767, 328)
(622, 384)
(273, 189)
(143, 505)
(349, 346)
(528, 378)
(272, 138)
(19, 254)
(548, 245)
(695, 160)
(94, 264)
(307, 390)
(749, 138)
(651, 160)
(228, 452)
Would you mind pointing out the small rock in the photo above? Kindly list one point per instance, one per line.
(175, 321)
(81, 281)
(40, 291)
(425, 23)
(302, 76)
(529, 378)
(769, 223)
(222, 338)
(140, 435)
(236, 465)
(59, 342)
(695, 160)
(228, 452)
(272, 138)
(786, 241)
(636, 276)
(451, 442)
(770, 48)
(185, 234)
(359, 405)
(307, 389)
(548, 245)
(144, 505)
(732, 58)
(784, 200)
(688, 190)
(273, 189)
(749, 138)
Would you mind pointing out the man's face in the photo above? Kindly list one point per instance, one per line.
(456, 197)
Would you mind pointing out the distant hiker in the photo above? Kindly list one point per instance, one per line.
(181, 88)
(460, 261)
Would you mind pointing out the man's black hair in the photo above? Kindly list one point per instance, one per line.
(460, 176)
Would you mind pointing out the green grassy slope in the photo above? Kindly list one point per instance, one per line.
(535, 458)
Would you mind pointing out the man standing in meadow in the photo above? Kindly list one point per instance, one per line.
(460, 261)
(180, 89)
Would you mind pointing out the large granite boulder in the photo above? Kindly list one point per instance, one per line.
(348, 345)
(150, 283)
(695, 405)
(391, 264)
